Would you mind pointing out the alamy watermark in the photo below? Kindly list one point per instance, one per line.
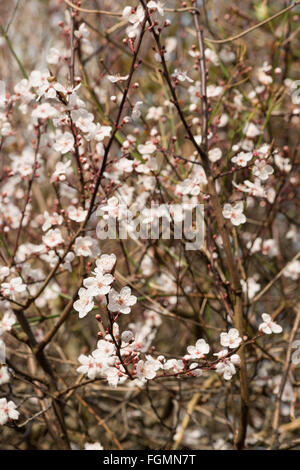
(295, 92)
(2, 353)
(296, 354)
(160, 221)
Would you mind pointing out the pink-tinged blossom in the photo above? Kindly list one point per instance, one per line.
(53, 238)
(242, 158)
(147, 148)
(215, 154)
(86, 246)
(7, 322)
(100, 132)
(174, 364)
(13, 287)
(231, 339)
(117, 78)
(199, 350)
(44, 111)
(262, 170)
(61, 170)
(147, 369)
(4, 375)
(121, 302)
(106, 348)
(156, 6)
(90, 366)
(292, 270)
(82, 119)
(82, 32)
(114, 375)
(268, 326)
(99, 285)
(8, 411)
(234, 213)
(51, 220)
(78, 214)
(135, 16)
(4, 272)
(251, 130)
(227, 366)
(64, 143)
(105, 263)
(84, 304)
(182, 76)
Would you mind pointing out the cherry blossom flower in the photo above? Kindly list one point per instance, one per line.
(146, 149)
(213, 91)
(155, 113)
(51, 220)
(227, 366)
(61, 170)
(135, 17)
(100, 132)
(78, 214)
(114, 376)
(181, 76)
(136, 111)
(53, 238)
(231, 339)
(105, 348)
(242, 158)
(147, 369)
(44, 111)
(292, 270)
(86, 246)
(215, 154)
(234, 213)
(84, 304)
(199, 350)
(13, 287)
(105, 263)
(117, 78)
(64, 143)
(251, 130)
(263, 74)
(156, 6)
(4, 375)
(284, 164)
(82, 32)
(195, 370)
(83, 119)
(209, 54)
(53, 56)
(250, 286)
(7, 322)
(4, 272)
(227, 55)
(262, 170)
(266, 247)
(174, 364)
(7, 411)
(121, 302)
(88, 367)
(268, 326)
(99, 285)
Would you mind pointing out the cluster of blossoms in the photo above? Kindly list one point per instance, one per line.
(78, 149)
(118, 355)
(8, 409)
